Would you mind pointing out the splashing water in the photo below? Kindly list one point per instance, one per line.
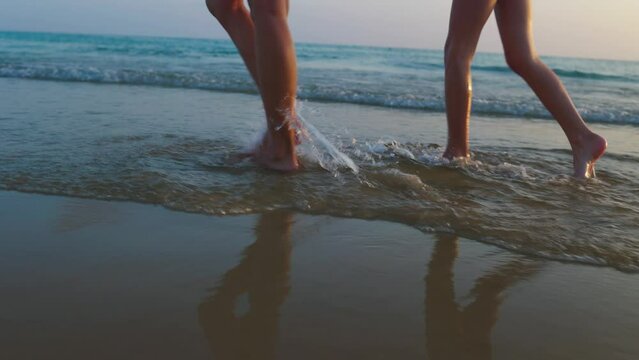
(335, 158)
(312, 144)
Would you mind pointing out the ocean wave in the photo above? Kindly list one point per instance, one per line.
(593, 76)
(147, 77)
(233, 80)
(564, 73)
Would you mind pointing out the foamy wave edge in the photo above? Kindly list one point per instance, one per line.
(170, 79)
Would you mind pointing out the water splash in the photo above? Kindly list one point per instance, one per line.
(312, 144)
(321, 146)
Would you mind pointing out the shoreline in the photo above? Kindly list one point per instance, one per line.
(501, 245)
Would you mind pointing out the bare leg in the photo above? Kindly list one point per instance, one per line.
(515, 26)
(467, 19)
(277, 73)
(236, 20)
(265, 44)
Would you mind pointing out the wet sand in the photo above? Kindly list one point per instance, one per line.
(87, 279)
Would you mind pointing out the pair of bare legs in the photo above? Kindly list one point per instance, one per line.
(264, 41)
(514, 20)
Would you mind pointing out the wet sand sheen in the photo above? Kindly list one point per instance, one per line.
(86, 279)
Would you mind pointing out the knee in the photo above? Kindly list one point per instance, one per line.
(521, 63)
(457, 56)
(222, 8)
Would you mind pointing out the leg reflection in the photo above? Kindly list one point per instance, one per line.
(456, 333)
(263, 276)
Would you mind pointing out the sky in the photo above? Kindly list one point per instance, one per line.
(577, 28)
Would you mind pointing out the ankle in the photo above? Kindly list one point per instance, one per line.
(282, 141)
(456, 151)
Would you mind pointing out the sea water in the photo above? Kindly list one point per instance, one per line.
(159, 121)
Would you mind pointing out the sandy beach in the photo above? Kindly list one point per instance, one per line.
(114, 280)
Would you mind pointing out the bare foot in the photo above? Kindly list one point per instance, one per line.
(586, 154)
(277, 151)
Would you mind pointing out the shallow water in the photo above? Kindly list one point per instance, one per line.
(176, 148)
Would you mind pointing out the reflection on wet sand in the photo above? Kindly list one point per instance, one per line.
(263, 276)
(452, 332)
(465, 333)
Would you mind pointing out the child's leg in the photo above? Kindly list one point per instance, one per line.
(515, 27)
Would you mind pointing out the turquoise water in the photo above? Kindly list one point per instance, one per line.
(159, 121)
(604, 91)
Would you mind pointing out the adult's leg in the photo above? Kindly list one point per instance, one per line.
(236, 20)
(514, 19)
(277, 73)
(467, 19)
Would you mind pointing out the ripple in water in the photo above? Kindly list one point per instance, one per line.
(514, 201)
